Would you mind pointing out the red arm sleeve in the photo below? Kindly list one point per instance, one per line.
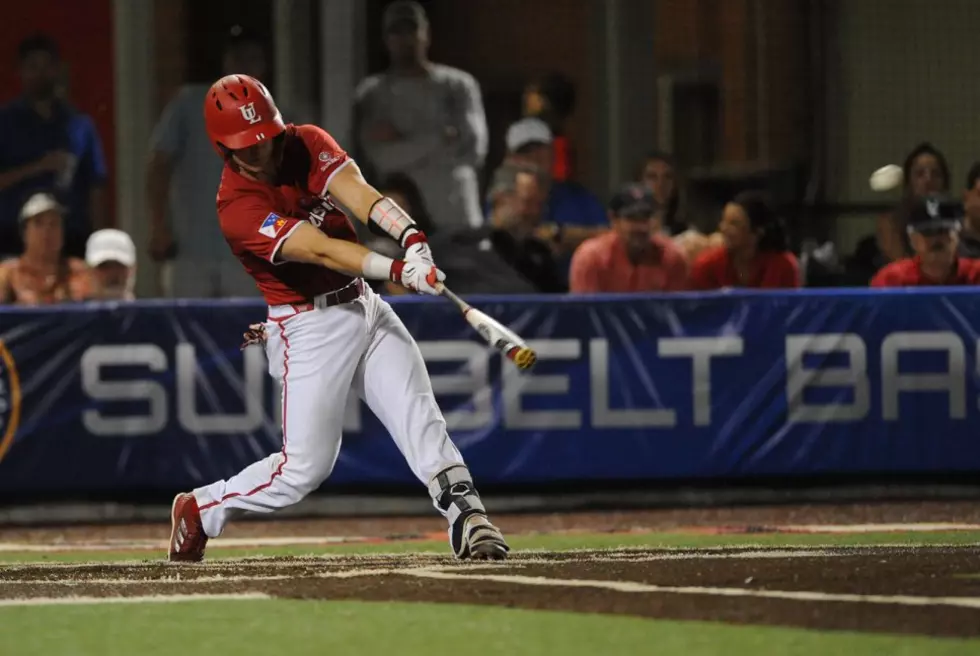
(326, 157)
(250, 226)
(583, 276)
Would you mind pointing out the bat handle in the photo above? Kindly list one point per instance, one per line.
(445, 291)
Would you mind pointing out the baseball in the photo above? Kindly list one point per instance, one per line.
(887, 178)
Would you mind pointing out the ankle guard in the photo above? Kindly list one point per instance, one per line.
(454, 495)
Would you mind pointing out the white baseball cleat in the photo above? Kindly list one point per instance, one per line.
(483, 540)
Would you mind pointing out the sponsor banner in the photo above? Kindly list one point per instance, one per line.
(157, 395)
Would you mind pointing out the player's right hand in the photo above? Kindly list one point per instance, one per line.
(417, 276)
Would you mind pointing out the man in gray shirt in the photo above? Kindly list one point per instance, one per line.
(425, 120)
(182, 183)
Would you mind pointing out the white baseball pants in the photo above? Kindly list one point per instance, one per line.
(319, 356)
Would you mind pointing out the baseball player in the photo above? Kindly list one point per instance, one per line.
(327, 332)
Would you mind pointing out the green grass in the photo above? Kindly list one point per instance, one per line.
(297, 628)
(551, 542)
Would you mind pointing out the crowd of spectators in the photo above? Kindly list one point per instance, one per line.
(421, 137)
(55, 245)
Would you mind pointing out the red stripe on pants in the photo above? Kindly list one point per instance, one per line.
(285, 399)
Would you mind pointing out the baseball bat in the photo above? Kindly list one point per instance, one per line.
(496, 334)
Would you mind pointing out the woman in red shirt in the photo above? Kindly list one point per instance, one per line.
(756, 250)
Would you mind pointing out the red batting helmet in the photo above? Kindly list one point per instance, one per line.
(239, 112)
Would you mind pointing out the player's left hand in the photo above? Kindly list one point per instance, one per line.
(417, 276)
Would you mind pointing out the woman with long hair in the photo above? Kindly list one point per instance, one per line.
(755, 251)
(660, 174)
(925, 172)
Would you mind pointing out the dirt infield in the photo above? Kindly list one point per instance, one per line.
(736, 519)
(931, 591)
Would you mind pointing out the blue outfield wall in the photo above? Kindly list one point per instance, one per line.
(157, 395)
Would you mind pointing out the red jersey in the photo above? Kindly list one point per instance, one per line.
(256, 218)
(713, 269)
(908, 273)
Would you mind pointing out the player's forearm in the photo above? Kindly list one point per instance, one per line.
(308, 245)
(368, 205)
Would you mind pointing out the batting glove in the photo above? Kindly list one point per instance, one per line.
(417, 276)
(417, 247)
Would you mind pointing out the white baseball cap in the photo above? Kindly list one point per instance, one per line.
(110, 245)
(526, 131)
(40, 203)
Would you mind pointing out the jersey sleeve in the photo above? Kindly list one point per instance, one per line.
(250, 225)
(326, 157)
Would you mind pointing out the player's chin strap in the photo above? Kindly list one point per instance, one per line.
(454, 494)
(395, 221)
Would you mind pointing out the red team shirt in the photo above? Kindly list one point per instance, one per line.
(257, 218)
(713, 269)
(908, 273)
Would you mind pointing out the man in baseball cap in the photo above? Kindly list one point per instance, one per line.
(572, 213)
(933, 226)
(635, 256)
(111, 255)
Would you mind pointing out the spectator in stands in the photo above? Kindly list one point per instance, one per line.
(424, 119)
(403, 190)
(636, 256)
(47, 145)
(933, 225)
(42, 275)
(551, 98)
(572, 213)
(503, 257)
(111, 257)
(181, 180)
(925, 172)
(756, 250)
(970, 233)
(660, 173)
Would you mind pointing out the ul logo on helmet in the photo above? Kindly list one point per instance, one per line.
(249, 113)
